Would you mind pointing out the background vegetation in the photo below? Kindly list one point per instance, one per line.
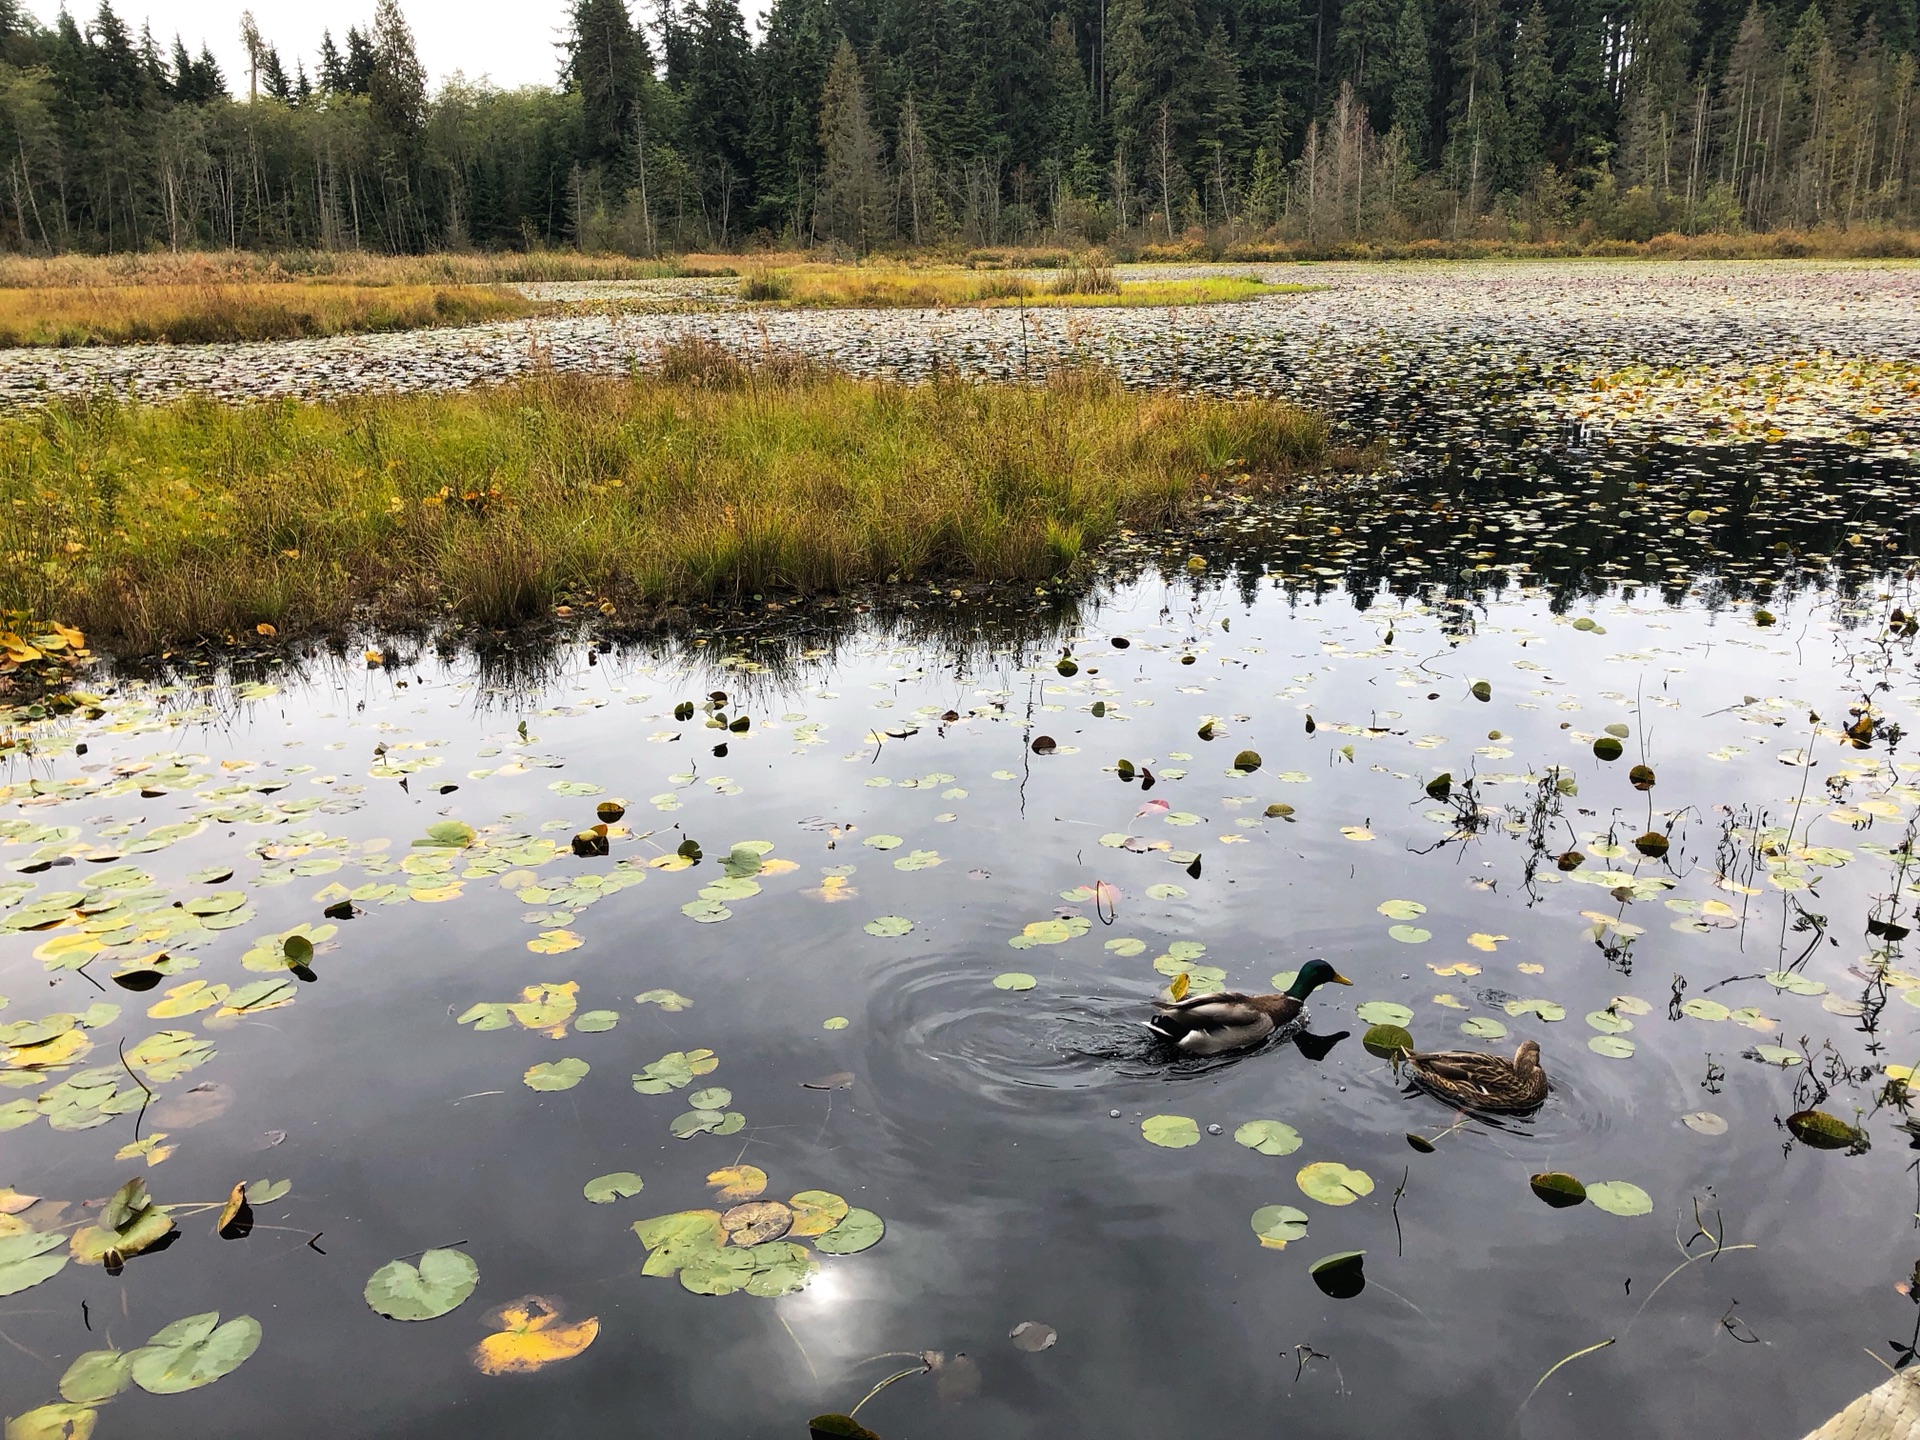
(1301, 124)
(704, 478)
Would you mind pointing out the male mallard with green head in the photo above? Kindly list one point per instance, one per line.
(1476, 1081)
(1215, 1024)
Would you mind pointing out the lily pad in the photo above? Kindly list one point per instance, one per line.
(1279, 1225)
(858, 1230)
(1620, 1197)
(1818, 1130)
(1559, 1189)
(192, 1352)
(1268, 1137)
(1387, 1041)
(1171, 1132)
(1484, 1027)
(438, 1285)
(1545, 1009)
(556, 1074)
(1409, 934)
(1383, 1012)
(1014, 980)
(605, 1189)
(888, 925)
(1401, 909)
(1704, 1122)
(1614, 1047)
(96, 1377)
(29, 1257)
(1332, 1183)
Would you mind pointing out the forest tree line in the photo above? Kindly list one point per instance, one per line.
(871, 123)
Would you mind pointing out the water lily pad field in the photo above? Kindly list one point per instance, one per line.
(700, 1035)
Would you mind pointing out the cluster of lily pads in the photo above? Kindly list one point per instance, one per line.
(754, 1244)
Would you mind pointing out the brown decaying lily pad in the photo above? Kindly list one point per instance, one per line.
(757, 1222)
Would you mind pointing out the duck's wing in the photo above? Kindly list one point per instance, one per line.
(1227, 1010)
(1466, 1067)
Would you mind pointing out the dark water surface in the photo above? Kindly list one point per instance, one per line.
(998, 1132)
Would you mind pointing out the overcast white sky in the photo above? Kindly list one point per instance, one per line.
(512, 43)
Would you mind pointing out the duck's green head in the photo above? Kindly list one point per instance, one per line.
(1312, 976)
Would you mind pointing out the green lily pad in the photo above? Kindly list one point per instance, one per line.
(1268, 1137)
(1014, 980)
(1545, 1009)
(1409, 934)
(1171, 1132)
(436, 1286)
(1779, 1055)
(596, 1022)
(1383, 1012)
(1620, 1197)
(1279, 1225)
(1401, 909)
(28, 1258)
(1820, 1131)
(605, 1189)
(556, 1074)
(1559, 1189)
(1614, 1047)
(1701, 1008)
(858, 1230)
(1387, 1041)
(1166, 892)
(1332, 1183)
(1484, 1027)
(888, 925)
(714, 1097)
(96, 1377)
(1795, 984)
(195, 1351)
(883, 842)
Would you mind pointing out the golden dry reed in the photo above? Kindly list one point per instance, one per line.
(201, 313)
(704, 478)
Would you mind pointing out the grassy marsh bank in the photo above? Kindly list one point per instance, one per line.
(187, 314)
(704, 479)
(820, 286)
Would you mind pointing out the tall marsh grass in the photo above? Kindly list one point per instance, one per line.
(706, 478)
(217, 311)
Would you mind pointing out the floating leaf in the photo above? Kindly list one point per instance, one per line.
(192, 1352)
(1701, 1008)
(1279, 1225)
(883, 842)
(1795, 983)
(888, 925)
(96, 1377)
(556, 1074)
(1170, 1132)
(1247, 761)
(1620, 1197)
(28, 1257)
(1166, 892)
(1614, 1047)
(1409, 934)
(1704, 1122)
(1268, 1137)
(1014, 980)
(1484, 1027)
(1545, 1009)
(1383, 1012)
(439, 1284)
(1559, 1189)
(530, 1338)
(605, 1189)
(1778, 1055)
(555, 942)
(59, 1422)
(1608, 748)
(1033, 1336)
(1332, 1183)
(858, 1230)
(815, 1212)
(1401, 909)
(738, 1182)
(1388, 1041)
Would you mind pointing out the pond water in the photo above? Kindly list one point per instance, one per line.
(919, 996)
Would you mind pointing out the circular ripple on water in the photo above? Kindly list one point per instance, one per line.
(939, 1021)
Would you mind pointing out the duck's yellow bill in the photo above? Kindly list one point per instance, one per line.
(1340, 979)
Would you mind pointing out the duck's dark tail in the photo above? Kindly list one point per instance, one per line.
(1160, 1025)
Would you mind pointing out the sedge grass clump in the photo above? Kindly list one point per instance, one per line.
(702, 478)
(218, 311)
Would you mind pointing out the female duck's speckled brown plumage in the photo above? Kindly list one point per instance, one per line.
(1214, 1024)
(1477, 1081)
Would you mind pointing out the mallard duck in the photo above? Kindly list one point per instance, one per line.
(1482, 1082)
(1215, 1024)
